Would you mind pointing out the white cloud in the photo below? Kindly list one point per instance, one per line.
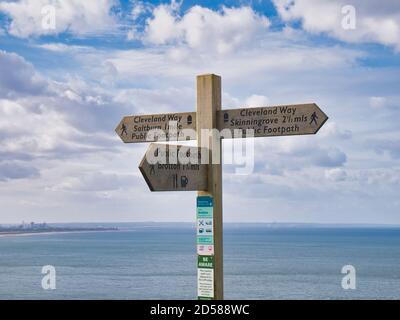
(73, 96)
(375, 21)
(110, 73)
(40, 117)
(157, 100)
(204, 29)
(63, 48)
(377, 102)
(305, 153)
(13, 170)
(32, 129)
(254, 61)
(257, 101)
(139, 10)
(93, 181)
(332, 130)
(75, 16)
(18, 76)
(389, 146)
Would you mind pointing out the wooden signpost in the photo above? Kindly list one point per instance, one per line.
(167, 173)
(147, 128)
(286, 120)
(167, 167)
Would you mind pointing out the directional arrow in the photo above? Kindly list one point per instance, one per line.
(156, 127)
(168, 167)
(299, 119)
(284, 120)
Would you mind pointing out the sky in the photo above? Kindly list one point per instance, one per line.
(64, 87)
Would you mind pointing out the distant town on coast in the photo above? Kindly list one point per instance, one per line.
(32, 227)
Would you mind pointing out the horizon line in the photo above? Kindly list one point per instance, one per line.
(227, 222)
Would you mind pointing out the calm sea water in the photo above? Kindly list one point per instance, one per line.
(159, 262)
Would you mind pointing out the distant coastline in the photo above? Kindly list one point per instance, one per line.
(40, 229)
(31, 229)
(27, 234)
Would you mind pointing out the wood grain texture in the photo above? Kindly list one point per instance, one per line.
(208, 103)
(284, 120)
(165, 172)
(143, 128)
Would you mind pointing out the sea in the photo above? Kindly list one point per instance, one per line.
(158, 261)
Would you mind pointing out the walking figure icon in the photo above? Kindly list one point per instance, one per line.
(123, 130)
(314, 118)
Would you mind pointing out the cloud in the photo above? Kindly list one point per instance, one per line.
(42, 118)
(332, 157)
(110, 73)
(269, 55)
(377, 22)
(63, 48)
(287, 156)
(336, 174)
(391, 147)
(73, 16)
(18, 76)
(380, 179)
(157, 100)
(256, 100)
(32, 128)
(305, 153)
(377, 102)
(204, 29)
(333, 130)
(94, 181)
(13, 171)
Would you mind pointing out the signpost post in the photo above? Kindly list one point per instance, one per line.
(206, 273)
(182, 168)
(208, 104)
